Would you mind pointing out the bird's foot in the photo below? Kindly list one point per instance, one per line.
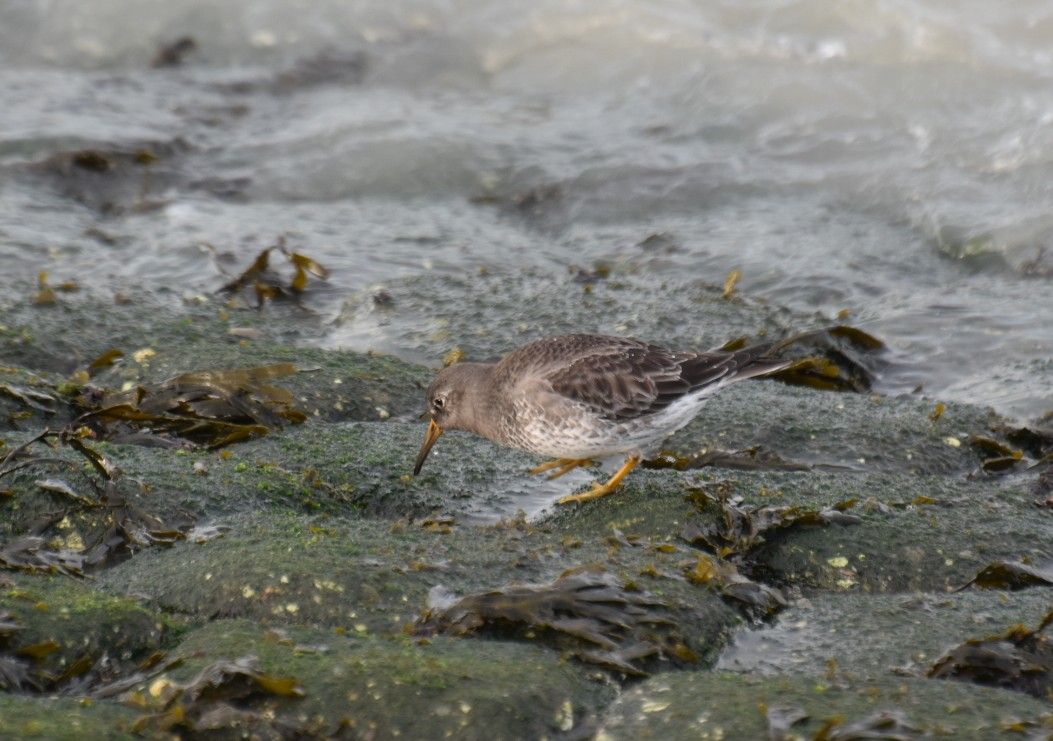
(597, 491)
(562, 466)
(602, 490)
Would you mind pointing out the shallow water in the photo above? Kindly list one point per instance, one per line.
(891, 158)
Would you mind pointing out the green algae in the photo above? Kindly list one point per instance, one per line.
(383, 687)
(682, 705)
(866, 433)
(63, 718)
(915, 532)
(64, 622)
(159, 343)
(370, 577)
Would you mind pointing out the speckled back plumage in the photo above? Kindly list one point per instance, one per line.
(592, 396)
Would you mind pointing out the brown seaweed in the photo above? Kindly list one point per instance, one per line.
(174, 53)
(1012, 575)
(219, 697)
(741, 529)
(604, 623)
(1020, 659)
(26, 554)
(268, 283)
(1036, 439)
(756, 600)
(211, 408)
(121, 527)
(848, 359)
(31, 398)
(888, 725)
(748, 459)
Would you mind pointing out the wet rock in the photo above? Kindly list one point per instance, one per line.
(860, 432)
(851, 638)
(435, 312)
(317, 552)
(915, 532)
(386, 687)
(158, 343)
(725, 705)
(372, 577)
(352, 469)
(72, 634)
(63, 718)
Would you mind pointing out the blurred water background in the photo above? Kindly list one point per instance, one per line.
(892, 158)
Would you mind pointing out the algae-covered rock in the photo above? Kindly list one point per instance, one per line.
(859, 432)
(351, 469)
(913, 532)
(368, 576)
(63, 718)
(398, 606)
(685, 705)
(65, 627)
(157, 342)
(867, 637)
(368, 686)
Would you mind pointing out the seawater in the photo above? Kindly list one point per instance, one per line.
(889, 157)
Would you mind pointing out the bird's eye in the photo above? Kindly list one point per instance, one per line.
(438, 403)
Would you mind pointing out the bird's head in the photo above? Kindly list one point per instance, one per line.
(451, 404)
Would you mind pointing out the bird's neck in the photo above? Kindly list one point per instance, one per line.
(480, 401)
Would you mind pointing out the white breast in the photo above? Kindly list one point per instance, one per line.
(583, 435)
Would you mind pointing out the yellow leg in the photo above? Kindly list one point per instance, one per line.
(602, 490)
(563, 466)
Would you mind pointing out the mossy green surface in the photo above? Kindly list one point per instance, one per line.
(915, 532)
(859, 432)
(683, 705)
(331, 543)
(63, 718)
(371, 577)
(81, 621)
(400, 686)
(334, 384)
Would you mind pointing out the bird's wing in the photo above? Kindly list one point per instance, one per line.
(619, 378)
(626, 379)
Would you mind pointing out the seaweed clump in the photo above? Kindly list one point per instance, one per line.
(727, 541)
(222, 696)
(213, 408)
(847, 358)
(1012, 575)
(597, 620)
(268, 284)
(1020, 659)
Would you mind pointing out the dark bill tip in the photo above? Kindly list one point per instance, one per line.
(433, 434)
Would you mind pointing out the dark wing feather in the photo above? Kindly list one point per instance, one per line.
(624, 379)
(620, 378)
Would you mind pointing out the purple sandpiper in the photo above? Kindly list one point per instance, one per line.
(580, 398)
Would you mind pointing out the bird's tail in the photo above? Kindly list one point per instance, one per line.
(836, 366)
(756, 361)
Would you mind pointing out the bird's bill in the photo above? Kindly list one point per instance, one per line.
(433, 434)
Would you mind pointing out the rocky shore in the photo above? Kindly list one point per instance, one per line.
(298, 583)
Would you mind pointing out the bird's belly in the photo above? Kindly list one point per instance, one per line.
(588, 436)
